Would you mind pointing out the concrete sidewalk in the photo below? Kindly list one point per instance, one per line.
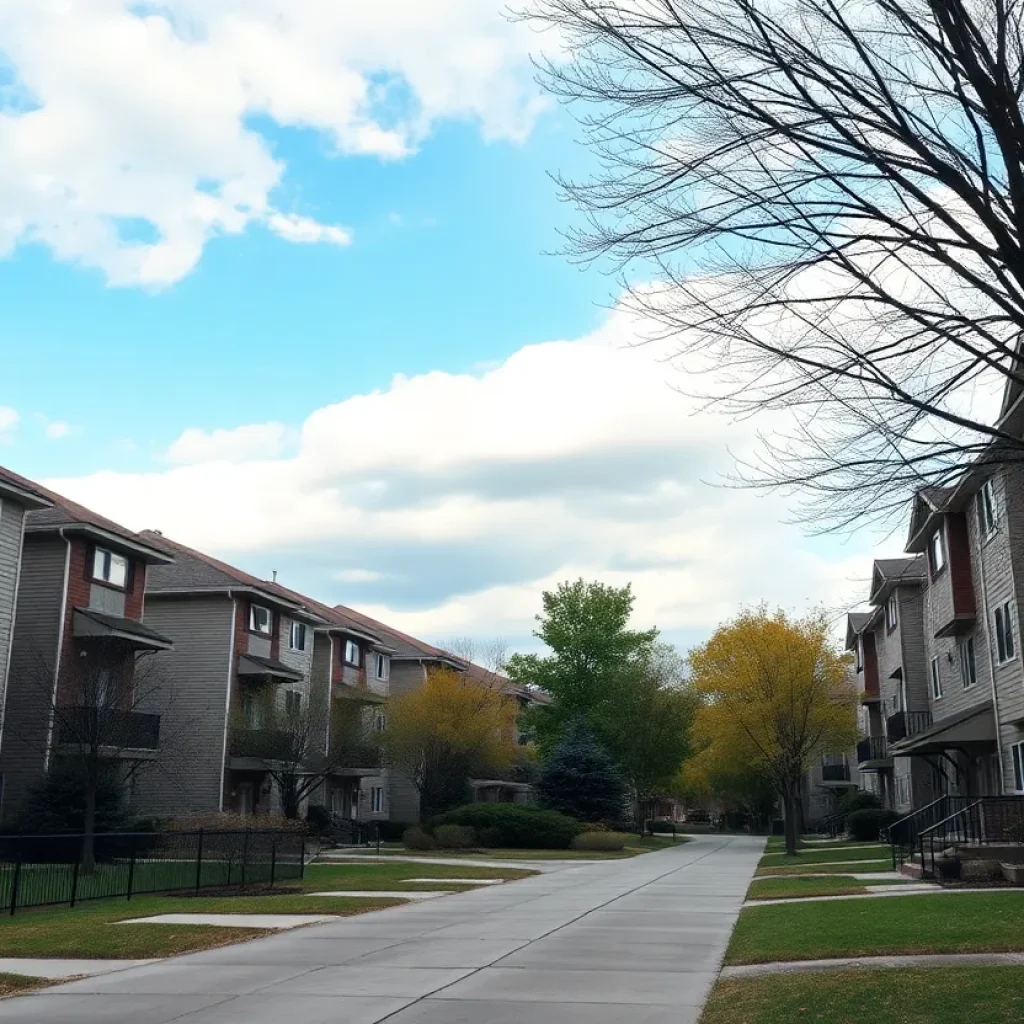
(638, 939)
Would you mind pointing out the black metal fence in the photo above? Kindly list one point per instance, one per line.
(38, 871)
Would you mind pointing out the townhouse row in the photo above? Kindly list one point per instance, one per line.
(938, 657)
(190, 673)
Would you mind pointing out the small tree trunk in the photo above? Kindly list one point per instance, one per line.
(88, 865)
(789, 813)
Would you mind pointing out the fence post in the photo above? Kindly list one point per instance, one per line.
(131, 871)
(199, 862)
(376, 829)
(302, 859)
(273, 861)
(245, 855)
(16, 880)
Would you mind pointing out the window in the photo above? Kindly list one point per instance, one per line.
(383, 665)
(1004, 631)
(377, 800)
(936, 679)
(351, 652)
(297, 636)
(292, 703)
(937, 552)
(988, 515)
(380, 723)
(110, 568)
(860, 654)
(892, 617)
(260, 619)
(968, 668)
(1018, 766)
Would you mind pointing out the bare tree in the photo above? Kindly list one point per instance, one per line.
(301, 745)
(103, 716)
(830, 197)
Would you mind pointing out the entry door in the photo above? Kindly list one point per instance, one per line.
(245, 799)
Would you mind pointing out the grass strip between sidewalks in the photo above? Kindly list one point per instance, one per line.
(793, 888)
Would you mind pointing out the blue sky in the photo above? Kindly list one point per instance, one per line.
(303, 254)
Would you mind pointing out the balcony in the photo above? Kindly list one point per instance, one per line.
(108, 728)
(905, 724)
(872, 754)
(351, 758)
(835, 773)
(262, 744)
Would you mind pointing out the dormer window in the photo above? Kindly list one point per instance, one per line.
(297, 636)
(937, 552)
(892, 618)
(110, 568)
(988, 509)
(260, 619)
(351, 653)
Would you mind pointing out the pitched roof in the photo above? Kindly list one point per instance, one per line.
(855, 624)
(337, 618)
(405, 647)
(196, 572)
(909, 567)
(22, 489)
(54, 512)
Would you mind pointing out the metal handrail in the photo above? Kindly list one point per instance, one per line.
(984, 821)
(902, 833)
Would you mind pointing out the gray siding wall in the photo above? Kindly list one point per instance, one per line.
(12, 518)
(1001, 557)
(300, 661)
(192, 704)
(403, 799)
(34, 659)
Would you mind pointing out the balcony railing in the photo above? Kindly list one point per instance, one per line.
(905, 724)
(263, 744)
(108, 727)
(835, 773)
(873, 748)
(357, 755)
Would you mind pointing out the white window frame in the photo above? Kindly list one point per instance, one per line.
(936, 679)
(937, 546)
(377, 800)
(104, 562)
(380, 721)
(988, 509)
(382, 667)
(1006, 640)
(1017, 753)
(892, 613)
(351, 645)
(297, 630)
(254, 627)
(968, 678)
(292, 702)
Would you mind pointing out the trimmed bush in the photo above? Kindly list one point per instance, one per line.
(603, 841)
(858, 800)
(516, 826)
(866, 824)
(455, 837)
(416, 839)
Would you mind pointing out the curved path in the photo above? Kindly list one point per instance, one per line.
(639, 940)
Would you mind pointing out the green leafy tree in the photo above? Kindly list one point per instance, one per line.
(646, 724)
(580, 779)
(586, 627)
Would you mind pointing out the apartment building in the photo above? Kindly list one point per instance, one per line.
(77, 658)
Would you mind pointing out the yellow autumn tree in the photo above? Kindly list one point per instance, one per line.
(448, 731)
(776, 697)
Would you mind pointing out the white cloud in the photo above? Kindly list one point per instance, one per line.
(256, 441)
(463, 495)
(293, 228)
(9, 419)
(131, 133)
(57, 430)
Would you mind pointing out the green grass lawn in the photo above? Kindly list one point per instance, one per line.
(951, 995)
(90, 929)
(777, 844)
(788, 888)
(634, 847)
(813, 855)
(865, 867)
(975, 922)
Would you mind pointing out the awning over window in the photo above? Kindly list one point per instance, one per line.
(974, 727)
(251, 665)
(93, 625)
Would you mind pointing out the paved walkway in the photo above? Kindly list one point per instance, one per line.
(875, 963)
(638, 940)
